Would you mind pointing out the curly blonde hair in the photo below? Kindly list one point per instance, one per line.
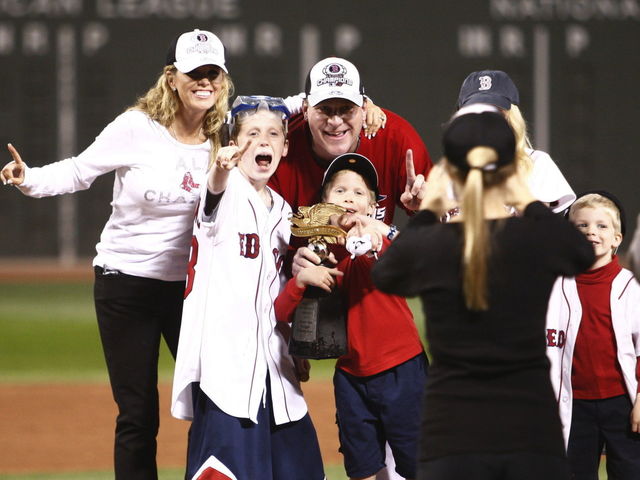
(519, 126)
(161, 104)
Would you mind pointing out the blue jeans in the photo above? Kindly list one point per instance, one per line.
(380, 408)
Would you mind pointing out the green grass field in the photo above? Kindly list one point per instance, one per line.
(333, 472)
(48, 333)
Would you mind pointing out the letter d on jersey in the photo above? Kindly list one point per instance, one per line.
(249, 245)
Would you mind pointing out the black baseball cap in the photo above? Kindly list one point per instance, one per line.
(357, 163)
(483, 129)
(489, 86)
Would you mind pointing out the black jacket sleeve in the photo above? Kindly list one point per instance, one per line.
(569, 251)
(397, 270)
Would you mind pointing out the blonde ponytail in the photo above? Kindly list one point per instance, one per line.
(476, 240)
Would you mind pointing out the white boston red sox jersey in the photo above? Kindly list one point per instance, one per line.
(228, 339)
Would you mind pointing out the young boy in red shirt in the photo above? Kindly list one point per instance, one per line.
(593, 342)
(379, 381)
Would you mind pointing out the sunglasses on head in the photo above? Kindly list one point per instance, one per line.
(199, 73)
(247, 104)
(252, 102)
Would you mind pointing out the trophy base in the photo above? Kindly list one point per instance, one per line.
(319, 328)
(315, 350)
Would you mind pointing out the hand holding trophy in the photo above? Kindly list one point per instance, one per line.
(319, 325)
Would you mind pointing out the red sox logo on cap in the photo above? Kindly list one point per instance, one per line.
(485, 82)
(201, 37)
(335, 75)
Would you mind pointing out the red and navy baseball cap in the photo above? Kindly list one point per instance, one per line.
(357, 163)
(493, 87)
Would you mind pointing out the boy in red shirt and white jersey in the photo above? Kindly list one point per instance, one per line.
(593, 343)
(379, 381)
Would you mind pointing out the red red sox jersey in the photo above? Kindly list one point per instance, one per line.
(299, 175)
(228, 340)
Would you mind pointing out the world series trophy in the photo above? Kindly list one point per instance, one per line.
(319, 323)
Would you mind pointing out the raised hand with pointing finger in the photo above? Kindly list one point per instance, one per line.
(13, 172)
(229, 157)
(415, 187)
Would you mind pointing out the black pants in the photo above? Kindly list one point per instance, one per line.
(603, 423)
(133, 313)
(495, 466)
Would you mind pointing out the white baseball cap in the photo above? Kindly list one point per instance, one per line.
(334, 77)
(194, 49)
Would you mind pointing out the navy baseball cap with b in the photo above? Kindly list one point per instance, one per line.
(493, 87)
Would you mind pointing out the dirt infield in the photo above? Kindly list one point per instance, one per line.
(44, 270)
(69, 427)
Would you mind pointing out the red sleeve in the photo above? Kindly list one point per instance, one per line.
(296, 121)
(385, 244)
(287, 301)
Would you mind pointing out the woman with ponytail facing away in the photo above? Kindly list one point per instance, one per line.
(484, 280)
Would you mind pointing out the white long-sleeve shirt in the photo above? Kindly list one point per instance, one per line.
(547, 183)
(155, 192)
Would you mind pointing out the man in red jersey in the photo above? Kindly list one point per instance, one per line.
(332, 125)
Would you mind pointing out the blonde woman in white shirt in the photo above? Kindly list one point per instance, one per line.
(159, 149)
